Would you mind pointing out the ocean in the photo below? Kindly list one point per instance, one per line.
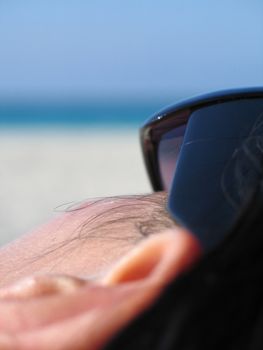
(97, 114)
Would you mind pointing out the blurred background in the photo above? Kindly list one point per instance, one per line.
(78, 78)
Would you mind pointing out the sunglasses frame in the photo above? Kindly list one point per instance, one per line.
(177, 115)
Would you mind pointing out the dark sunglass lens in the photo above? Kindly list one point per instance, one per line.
(168, 151)
(220, 165)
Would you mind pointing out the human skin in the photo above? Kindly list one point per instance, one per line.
(86, 239)
(79, 279)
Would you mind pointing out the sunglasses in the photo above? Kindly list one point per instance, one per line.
(195, 149)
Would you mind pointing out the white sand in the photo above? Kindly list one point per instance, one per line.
(43, 170)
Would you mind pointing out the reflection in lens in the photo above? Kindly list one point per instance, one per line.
(219, 168)
(168, 152)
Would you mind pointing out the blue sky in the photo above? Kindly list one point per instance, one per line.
(113, 48)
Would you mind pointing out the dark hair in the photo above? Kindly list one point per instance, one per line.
(216, 305)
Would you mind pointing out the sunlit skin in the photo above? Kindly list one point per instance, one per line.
(78, 280)
(87, 239)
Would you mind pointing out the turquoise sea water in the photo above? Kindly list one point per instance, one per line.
(97, 114)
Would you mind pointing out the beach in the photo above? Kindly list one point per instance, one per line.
(44, 171)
